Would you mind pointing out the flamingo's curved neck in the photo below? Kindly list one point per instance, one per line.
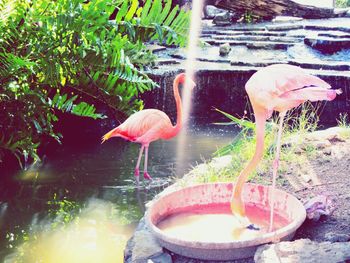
(177, 127)
(260, 119)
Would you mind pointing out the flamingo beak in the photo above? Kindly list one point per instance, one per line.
(106, 137)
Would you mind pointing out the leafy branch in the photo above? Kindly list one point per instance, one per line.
(70, 56)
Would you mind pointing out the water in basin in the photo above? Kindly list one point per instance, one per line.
(216, 223)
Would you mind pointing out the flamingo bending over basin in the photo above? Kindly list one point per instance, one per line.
(277, 87)
(149, 125)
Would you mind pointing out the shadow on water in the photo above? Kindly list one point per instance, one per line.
(94, 183)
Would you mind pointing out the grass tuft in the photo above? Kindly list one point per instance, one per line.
(298, 123)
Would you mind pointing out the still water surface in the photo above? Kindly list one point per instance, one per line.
(216, 223)
(99, 178)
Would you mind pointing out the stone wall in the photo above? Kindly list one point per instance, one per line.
(224, 89)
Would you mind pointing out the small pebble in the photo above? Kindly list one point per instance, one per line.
(336, 237)
(224, 49)
(253, 227)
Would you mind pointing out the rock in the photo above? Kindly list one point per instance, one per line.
(146, 246)
(269, 45)
(223, 19)
(327, 151)
(254, 38)
(341, 12)
(303, 251)
(305, 177)
(155, 48)
(332, 135)
(252, 64)
(334, 34)
(162, 258)
(320, 145)
(167, 62)
(142, 245)
(335, 138)
(298, 150)
(318, 206)
(343, 66)
(211, 11)
(283, 27)
(224, 49)
(265, 33)
(286, 19)
(327, 45)
(337, 237)
(345, 28)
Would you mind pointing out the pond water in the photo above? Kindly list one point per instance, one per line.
(98, 181)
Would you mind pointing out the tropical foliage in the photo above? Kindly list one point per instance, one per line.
(71, 55)
(342, 3)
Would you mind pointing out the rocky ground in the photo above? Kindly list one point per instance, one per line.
(324, 175)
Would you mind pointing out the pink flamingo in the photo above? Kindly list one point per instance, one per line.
(277, 87)
(149, 125)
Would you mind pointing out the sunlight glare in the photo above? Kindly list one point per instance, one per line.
(93, 237)
(193, 37)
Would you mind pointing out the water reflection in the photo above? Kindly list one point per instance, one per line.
(95, 236)
(95, 183)
(113, 162)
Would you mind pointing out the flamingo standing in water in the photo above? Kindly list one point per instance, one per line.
(279, 88)
(149, 125)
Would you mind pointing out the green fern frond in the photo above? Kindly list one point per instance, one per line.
(10, 63)
(154, 21)
(7, 9)
(165, 12)
(86, 110)
(65, 104)
(132, 10)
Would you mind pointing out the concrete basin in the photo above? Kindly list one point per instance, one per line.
(178, 201)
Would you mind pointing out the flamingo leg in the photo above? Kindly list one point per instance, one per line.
(145, 173)
(275, 167)
(137, 170)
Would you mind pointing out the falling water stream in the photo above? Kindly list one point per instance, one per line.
(193, 38)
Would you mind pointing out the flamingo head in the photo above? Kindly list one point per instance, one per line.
(185, 78)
